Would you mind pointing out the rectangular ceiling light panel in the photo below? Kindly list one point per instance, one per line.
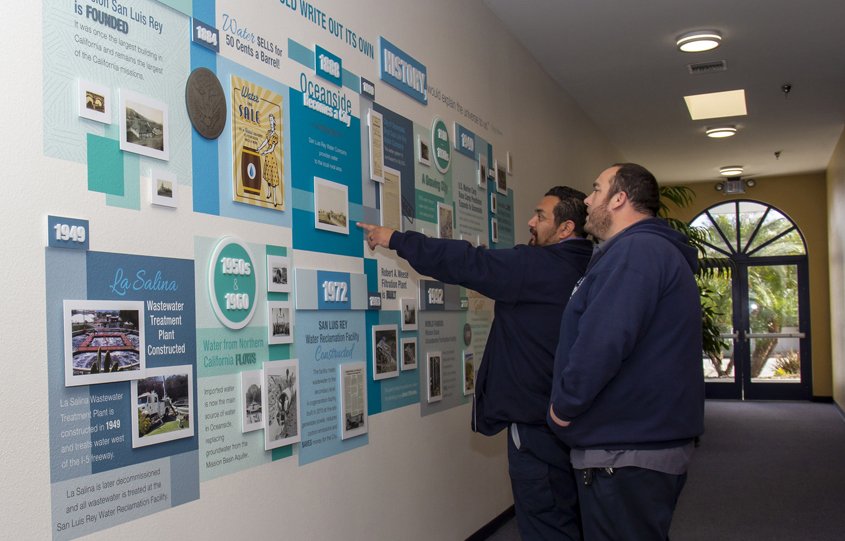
(716, 104)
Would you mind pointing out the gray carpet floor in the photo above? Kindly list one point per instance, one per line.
(765, 471)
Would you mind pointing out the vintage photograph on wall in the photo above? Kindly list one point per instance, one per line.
(445, 221)
(375, 122)
(434, 376)
(353, 399)
(278, 274)
(409, 353)
(280, 394)
(144, 128)
(494, 203)
(385, 351)
(279, 322)
(251, 418)
(494, 230)
(257, 143)
(482, 171)
(163, 188)
(104, 341)
(423, 152)
(331, 206)
(501, 179)
(164, 401)
(469, 372)
(94, 101)
(409, 314)
(391, 199)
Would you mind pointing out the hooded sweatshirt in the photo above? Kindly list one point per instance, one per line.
(628, 372)
(531, 286)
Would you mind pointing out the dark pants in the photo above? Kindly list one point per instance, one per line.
(630, 503)
(544, 492)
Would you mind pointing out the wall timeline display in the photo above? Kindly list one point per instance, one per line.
(258, 172)
(171, 371)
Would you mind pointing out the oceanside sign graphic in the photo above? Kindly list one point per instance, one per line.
(402, 71)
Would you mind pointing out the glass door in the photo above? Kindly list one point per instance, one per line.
(760, 299)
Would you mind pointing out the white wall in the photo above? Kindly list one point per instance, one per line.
(459, 480)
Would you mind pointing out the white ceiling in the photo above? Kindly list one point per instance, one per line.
(617, 59)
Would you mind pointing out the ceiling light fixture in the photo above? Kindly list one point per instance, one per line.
(721, 132)
(698, 41)
(730, 170)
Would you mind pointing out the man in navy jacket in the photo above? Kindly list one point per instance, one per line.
(531, 285)
(628, 390)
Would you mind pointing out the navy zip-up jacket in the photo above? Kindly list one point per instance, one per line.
(531, 286)
(628, 371)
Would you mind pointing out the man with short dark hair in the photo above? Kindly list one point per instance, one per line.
(531, 286)
(628, 391)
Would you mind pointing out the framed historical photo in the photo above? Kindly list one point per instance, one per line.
(445, 219)
(385, 351)
(423, 152)
(279, 322)
(494, 230)
(482, 171)
(409, 314)
(144, 126)
(278, 274)
(434, 376)
(331, 206)
(164, 402)
(251, 417)
(353, 399)
(494, 203)
(375, 122)
(391, 199)
(469, 372)
(94, 101)
(104, 341)
(280, 403)
(409, 353)
(501, 179)
(163, 188)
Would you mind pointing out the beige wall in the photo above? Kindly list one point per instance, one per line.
(803, 198)
(836, 232)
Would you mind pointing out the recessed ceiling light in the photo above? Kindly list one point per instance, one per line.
(721, 132)
(730, 170)
(717, 104)
(699, 41)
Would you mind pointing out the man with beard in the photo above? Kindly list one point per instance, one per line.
(628, 391)
(531, 285)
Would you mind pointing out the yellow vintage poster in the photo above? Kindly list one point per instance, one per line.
(257, 131)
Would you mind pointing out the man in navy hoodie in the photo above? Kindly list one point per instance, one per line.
(628, 390)
(531, 285)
